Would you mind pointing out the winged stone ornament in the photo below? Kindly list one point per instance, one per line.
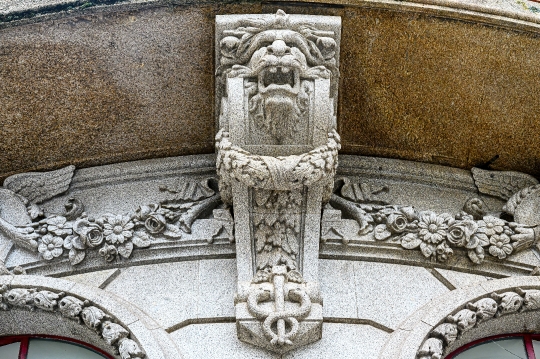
(19, 197)
(501, 184)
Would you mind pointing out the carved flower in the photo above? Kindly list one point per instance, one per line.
(108, 252)
(460, 233)
(500, 245)
(117, 228)
(396, 222)
(443, 252)
(59, 225)
(155, 223)
(50, 246)
(90, 233)
(491, 225)
(432, 227)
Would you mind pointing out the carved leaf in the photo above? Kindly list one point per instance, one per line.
(40, 186)
(172, 231)
(78, 243)
(141, 239)
(476, 257)
(410, 241)
(125, 249)
(381, 232)
(291, 242)
(190, 190)
(427, 249)
(75, 256)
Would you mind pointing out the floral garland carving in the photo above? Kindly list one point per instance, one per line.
(73, 308)
(274, 173)
(436, 234)
(473, 314)
(112, 235)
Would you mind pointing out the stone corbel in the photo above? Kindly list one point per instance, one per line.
(277, 157)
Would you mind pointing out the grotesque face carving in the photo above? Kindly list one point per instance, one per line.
(279, 61)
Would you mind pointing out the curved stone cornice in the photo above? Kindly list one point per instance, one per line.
(489, 308)
(125, 329)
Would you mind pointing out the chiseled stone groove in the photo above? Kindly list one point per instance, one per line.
(441, 279)
(368, 251)
(110, 279)
(160, 253)
(210, 320)
(358, 321)
(334, 320)
(392, 253)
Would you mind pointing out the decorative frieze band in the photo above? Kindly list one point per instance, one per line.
(471, 315)
(83, 311)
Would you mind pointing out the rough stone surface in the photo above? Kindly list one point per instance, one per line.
(94, 279)
(460, 279)
(195, 290)
(449, 82)
(218, 340)
(383, 293)
(428, 88)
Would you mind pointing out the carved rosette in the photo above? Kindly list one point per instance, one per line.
(276, 159)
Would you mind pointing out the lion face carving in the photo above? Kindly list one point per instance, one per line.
(279, 61)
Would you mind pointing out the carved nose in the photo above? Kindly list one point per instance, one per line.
(279, 48)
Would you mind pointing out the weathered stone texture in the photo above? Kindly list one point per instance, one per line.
(95, 87)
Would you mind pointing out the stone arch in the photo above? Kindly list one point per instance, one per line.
(465, 315)
(45, 305)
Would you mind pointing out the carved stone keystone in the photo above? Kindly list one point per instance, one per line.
(277, 79)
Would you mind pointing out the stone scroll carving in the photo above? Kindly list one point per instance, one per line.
(474, 230)
(82, 311)
(73, 233)
(277, 156)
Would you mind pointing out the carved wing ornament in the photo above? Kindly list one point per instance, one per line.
(73, 233)
(437, 235)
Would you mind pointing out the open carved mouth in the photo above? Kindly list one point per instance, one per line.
(279, 78)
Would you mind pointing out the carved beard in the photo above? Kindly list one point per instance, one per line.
(280, 114)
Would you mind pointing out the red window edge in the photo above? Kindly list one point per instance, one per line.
(527, 339)
(25, 340)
